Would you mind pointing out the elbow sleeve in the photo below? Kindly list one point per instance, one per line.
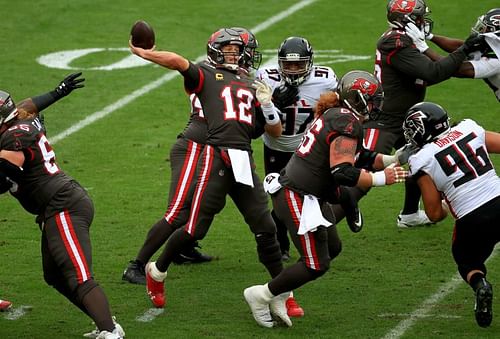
(345, 174)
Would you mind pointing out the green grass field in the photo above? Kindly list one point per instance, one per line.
(387, 283)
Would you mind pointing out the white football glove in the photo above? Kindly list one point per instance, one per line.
(264, 92)
(417, 36)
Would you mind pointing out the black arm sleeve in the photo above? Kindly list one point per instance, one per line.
(411, 62)
(345, 174)
(45, 100)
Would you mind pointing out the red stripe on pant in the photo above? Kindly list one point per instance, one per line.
(185, 181)
(201, 185)
(72, 246)
(294, 202)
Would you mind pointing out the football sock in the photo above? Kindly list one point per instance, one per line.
(96, 303)
(157, 236)
(412, 197)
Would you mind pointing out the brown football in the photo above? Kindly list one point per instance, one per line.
(142, 35)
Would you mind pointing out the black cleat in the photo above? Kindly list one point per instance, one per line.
(355, 220)
(192, 256)
(484, 299)
(135, 273)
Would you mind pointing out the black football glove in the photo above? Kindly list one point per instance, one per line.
(351, 209)
(284, 96)
(475, 42)
(69, 83)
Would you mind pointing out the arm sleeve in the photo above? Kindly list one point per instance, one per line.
(413, 63)
(485, 67)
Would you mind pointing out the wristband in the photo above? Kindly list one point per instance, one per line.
(378, 178)
(270, 114)
(388, 160)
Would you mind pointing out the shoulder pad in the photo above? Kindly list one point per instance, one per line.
(345, 122)
(394, 39)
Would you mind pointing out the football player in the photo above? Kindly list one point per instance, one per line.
(231, 106)
(184, 156)
(297, 84)
(455, 174)
(405, 74)
(480, 64)
(322, 162)
(28, 169)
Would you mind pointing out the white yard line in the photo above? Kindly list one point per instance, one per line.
(426, 307)
(167, 77)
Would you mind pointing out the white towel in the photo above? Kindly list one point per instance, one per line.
(240, 162)
(494, 41)
(311, 216)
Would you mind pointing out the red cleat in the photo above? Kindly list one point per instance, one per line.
(155, 290)
(293, 309)
(4, 305)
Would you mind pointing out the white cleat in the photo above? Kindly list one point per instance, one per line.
(279, 310)
(259, 304)
(418, 218)
(95, 333)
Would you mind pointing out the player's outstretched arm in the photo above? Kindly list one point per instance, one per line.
(38, 103)
(166, 59)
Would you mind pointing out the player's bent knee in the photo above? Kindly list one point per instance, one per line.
(316, 273)
(268, 248)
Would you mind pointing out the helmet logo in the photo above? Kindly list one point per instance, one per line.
(364, 86)
(245, 37)
(417, 121)
(403, 6)
(495, 20)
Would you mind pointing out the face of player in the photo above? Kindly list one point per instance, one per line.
(231, 54)
(294, 67)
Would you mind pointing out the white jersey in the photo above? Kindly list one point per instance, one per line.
(488, 69)
(296, 117)
(460, 166)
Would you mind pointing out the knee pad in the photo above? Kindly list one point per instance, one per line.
(82, 290)
(268, 248)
